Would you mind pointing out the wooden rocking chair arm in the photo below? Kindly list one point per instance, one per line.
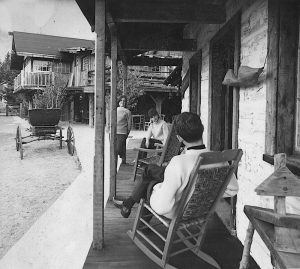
(158, 145)
(148, 150)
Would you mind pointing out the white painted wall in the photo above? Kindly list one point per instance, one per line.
(252, 170)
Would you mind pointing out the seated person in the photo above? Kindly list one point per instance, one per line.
(157, 132)
(170, 181)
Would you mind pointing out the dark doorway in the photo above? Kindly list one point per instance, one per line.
(224, 53)
(195, 65)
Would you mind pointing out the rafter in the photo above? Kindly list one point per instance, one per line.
(166, 43)
(167, 11)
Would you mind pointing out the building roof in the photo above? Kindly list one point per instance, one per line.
(47, 46)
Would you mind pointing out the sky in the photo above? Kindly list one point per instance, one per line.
(52, 17)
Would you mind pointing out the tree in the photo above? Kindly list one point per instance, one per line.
(133, 90)
(7, 77)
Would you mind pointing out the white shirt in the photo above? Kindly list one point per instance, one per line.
(166, 195)
(158, 130)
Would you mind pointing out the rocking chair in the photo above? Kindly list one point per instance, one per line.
(207, 184)
(160, 156)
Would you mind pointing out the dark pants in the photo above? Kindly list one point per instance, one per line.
(152, 141)
(121, 146)
(152, 175)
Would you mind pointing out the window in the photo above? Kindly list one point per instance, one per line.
(153, 68)
(61, 67)
(156, 68)
(92, 63)
(41, 66)
(84, 63)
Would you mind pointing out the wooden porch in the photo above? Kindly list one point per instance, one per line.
(120, 252)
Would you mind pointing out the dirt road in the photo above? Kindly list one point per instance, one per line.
(29, 186)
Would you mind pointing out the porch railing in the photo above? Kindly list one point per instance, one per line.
(35, 79)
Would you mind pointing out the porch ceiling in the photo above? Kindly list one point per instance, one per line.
(144, 25)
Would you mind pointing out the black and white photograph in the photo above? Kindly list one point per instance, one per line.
(144, 134)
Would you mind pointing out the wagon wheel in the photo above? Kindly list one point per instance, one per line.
(17, 138)
(70, 141)
(60, 137)
(19, 142)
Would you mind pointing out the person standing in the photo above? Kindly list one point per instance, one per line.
(123, 127)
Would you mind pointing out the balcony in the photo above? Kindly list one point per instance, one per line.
(37, 80)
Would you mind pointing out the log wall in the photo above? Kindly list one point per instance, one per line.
(252, 108)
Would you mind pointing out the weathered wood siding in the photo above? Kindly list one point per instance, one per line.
(252, 107)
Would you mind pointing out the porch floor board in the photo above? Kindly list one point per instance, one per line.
(120, 252)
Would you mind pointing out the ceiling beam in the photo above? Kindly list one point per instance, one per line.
(167, 12)
(154, 61)
(164, 44)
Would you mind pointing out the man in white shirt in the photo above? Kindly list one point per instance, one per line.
(169, 182)
(157, 132)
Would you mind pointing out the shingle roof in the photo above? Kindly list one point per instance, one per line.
(45, 45)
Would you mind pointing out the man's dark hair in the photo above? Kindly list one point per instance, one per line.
(188, 125)
(152, 112)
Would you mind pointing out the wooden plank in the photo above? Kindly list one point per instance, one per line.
(158, 42)
(268, 215)
(216, 104)
(266, 232)
(91, 109)
(287, 73)
(185, 82)
(98, 191)
(280, 183)
(236, 90)
(195, 64)
(113, 113)
(167, 12)
(193, 87)
(154, 61)
(125, 75)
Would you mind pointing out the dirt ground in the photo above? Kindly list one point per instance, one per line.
(29, 186)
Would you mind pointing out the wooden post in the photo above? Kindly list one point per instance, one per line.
(244, 264)
(91, 110)
(125, 73)
(282, 238)
(98, 193)
(113, 114)
(21, 110)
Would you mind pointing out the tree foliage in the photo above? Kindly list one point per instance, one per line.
(7, 77)
(133, 86)
(132, 92)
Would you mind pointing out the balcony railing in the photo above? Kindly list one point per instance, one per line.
(36, 79)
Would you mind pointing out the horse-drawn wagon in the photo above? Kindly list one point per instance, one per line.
(44, 126)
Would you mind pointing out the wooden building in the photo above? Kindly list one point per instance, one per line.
(46, 60)
(262, 118)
